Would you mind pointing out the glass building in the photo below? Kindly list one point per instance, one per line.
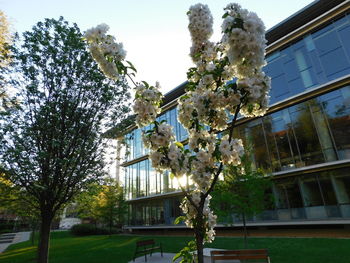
(303, 142)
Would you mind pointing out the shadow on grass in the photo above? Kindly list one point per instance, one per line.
(66, 248)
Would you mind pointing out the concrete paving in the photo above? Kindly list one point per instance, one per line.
(156, 258)
(168, 258)
(17, 238)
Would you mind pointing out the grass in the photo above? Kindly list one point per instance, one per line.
(120, 248)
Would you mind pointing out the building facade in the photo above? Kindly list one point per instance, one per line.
(303, 142)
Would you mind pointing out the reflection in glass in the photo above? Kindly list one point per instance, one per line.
(306, 135)
(311, 191)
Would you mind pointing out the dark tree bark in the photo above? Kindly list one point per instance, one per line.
(45, 227)
(199, 231)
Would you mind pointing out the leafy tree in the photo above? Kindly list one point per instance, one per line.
(14, 200)
(103, 203)
(87, 203)
(112, 205)
(52, 145)
(242, 192)
(5, 41)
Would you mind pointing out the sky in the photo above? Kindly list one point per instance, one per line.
(154, 32)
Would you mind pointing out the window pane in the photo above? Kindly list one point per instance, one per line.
(338, 113)
(311, 191)
(306, 135)
(257, 138)
(281, 133)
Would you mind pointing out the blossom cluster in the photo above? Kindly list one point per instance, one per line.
(161, 136)
(105, 50)
(166, 153)
(257, 89)
(244, 43)
(231, 151)
(191, 214)
(200, 26)
(147, 103)
(244, 40)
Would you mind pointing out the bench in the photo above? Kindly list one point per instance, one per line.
(258, 255)
(145, 247)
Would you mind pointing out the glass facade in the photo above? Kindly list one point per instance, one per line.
(309, 133)
(154, 212)
(141, 180)
(322, 195)
(313, 132)
(314, 60)
(134, 145)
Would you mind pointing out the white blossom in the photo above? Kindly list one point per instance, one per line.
(105, 50)
(147, 104)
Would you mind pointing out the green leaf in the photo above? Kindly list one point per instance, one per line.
(145, 83)
(178, 255)
(225, 15)
(179, 219)
(131, 66)
(179, 144)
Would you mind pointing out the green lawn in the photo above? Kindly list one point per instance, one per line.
(66, 248)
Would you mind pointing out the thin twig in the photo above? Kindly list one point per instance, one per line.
(131, 79)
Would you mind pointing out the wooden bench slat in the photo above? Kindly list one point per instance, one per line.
(147, 247)
(240, 257)
(243, 254)
(241, 251)
(145, 242)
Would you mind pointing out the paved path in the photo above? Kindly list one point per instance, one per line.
(156, 258)
(12, 238)
(168, 257)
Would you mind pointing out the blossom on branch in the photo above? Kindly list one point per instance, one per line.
(226, 80)
(147, 103)
(105, 50)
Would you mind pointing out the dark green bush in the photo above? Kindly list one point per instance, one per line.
(6, 226)
(88, 229)
(5, 231)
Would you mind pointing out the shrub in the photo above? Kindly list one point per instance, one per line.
(5, 231)
(6, 226)
(88, 229)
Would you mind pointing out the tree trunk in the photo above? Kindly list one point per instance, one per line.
(199, 230)
(45, 227)
(245, 231)
(199, 243)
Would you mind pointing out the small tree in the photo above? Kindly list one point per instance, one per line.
(5, 58)
(242, 192)
(103, 203)
(15, 200)
(112, 205)
(211, 100)
(5, 39)
(87, 204)
(52, 145)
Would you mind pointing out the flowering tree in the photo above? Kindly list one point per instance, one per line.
(211, 105)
